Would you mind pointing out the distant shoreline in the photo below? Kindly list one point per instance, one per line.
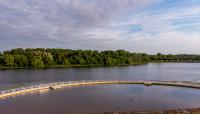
(71, 66)
(59, 58)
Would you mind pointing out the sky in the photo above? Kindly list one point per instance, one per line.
(148, 26)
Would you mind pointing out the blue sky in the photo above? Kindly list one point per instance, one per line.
(150, 26)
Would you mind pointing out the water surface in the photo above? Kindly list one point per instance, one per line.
(101, 98)
(151, 71)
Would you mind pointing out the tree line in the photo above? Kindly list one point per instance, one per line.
(40, 57)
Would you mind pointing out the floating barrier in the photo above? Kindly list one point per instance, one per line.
(55, 85)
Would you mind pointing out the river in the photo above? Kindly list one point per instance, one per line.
(101, 98)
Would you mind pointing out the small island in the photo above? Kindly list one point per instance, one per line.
(46, 58)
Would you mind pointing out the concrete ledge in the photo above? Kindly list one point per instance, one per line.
(15, 91)
(180, 111)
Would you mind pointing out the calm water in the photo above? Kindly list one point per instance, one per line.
(102, 98)
(152, 71)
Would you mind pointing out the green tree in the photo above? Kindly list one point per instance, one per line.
(81, 61)
(9, 60)
(159, 54)
(21, 61)
(37, 62)
(48, 59)
(66, 61)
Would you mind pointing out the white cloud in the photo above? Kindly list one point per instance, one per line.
(97, 24)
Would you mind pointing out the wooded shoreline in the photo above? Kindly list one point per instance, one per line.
(55, 58)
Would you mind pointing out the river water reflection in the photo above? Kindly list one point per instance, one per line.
(102, 98)
(151, 71)
(95, 99)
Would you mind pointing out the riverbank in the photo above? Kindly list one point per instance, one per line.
(175, 111)
(76, 65)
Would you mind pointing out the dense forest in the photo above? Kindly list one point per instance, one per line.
(40, 58)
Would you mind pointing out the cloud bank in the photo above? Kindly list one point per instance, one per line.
(136, 25)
